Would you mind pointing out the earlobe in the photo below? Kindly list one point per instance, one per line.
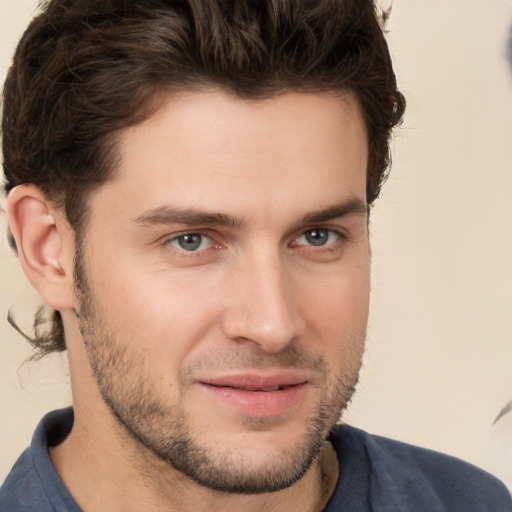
(43, 242)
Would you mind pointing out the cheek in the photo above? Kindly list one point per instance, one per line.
(166, 314)
(337, 307)
(171, 312)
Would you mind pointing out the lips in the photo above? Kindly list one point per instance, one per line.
(253, 382)
(274, 388)
(258, 395)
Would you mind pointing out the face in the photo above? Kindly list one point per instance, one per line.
(223, 283)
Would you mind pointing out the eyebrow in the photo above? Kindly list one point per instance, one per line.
(348, 207)
(163, 215)
(188, 216)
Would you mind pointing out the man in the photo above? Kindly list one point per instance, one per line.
(188, 190)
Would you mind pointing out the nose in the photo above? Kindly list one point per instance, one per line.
(262, 306)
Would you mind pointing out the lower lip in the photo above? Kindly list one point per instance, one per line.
(258, 403)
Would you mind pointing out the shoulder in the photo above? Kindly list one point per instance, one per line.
(33, 483)
(22, 489)
(399, 476)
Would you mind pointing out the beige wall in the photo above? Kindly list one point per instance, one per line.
(439, 360)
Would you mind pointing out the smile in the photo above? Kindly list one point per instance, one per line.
(257, 396)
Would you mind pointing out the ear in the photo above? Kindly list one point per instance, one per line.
(45, 245)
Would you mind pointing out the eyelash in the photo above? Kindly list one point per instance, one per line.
(179, 236)
(339, 238)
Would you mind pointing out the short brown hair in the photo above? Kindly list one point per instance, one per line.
(85, 69)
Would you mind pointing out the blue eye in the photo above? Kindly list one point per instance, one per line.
(318, 237)
(191, 242)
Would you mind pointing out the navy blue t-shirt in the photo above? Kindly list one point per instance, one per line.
(376, 475)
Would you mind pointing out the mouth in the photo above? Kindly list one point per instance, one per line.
(273, 388)
(257, 389)
(258, 395)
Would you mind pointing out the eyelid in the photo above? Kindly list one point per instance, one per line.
(337, 231)
(169, 239)
(182, 232)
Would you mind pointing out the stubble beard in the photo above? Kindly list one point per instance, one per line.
(125, 383)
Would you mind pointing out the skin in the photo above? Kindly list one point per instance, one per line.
(273, 193)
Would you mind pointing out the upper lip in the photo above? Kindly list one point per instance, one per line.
(257, 382)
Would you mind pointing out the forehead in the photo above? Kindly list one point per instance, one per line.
(215, 151)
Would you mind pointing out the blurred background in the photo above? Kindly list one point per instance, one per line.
(438, 367)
